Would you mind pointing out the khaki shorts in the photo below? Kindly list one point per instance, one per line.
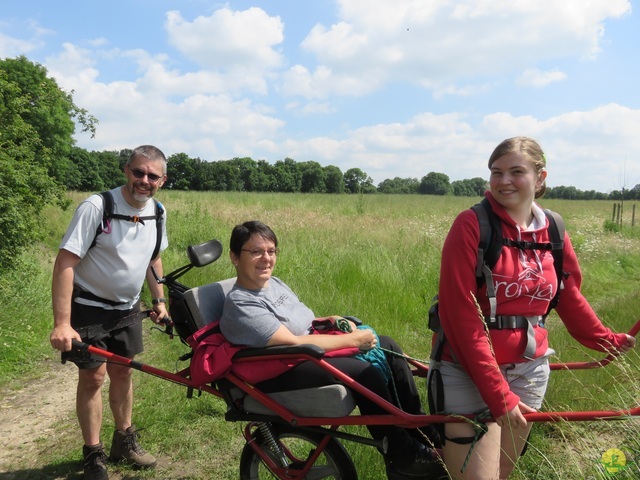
(528, 380)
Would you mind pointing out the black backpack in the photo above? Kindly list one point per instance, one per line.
(107, 214)
(490, 247)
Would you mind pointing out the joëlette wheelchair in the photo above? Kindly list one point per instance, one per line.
(296, 434)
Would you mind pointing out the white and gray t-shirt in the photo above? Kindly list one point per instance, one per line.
(251, 317)
(115, 268)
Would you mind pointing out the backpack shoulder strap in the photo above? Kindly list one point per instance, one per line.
(489, 248)
(159, 213)
(490, 244)
(556, 233)
(107, 213)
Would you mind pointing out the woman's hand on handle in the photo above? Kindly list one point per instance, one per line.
(515, 417)
(631, 343)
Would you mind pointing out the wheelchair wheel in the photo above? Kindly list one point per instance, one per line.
(295, 447)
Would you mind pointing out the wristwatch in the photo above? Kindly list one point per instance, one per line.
(156, 301)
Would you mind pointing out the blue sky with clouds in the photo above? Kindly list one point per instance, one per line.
(398, 88)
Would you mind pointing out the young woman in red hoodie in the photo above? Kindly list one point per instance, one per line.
(484, 371)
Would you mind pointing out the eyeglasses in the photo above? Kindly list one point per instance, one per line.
(152, 177)
(258, 252)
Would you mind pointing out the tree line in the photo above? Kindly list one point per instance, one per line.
(93, 171)
(40, 161)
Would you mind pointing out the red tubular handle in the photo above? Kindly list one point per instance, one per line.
(595, 364)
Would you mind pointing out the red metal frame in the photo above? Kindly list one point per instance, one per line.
(394, 415)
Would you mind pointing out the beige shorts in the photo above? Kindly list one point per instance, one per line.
(528, 380)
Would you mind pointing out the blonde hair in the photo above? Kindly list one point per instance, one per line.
(526, 146)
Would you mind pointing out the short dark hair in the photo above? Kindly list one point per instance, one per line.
(150, 152)
(243, 232)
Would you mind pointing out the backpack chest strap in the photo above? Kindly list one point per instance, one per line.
(132, 218)
(501, 322)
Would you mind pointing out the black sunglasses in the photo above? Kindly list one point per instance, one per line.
(152, 177)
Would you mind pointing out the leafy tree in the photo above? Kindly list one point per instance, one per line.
(469, 188)
(180, 172)
(246, 168)
(461, 188)
(51, 111)
(568, 193)
(313, 177)
(479, 185)
(86, 172)
(262, 179)
(357, 181)
(435, 184)
(287, 176)
(614, 195)
(224, 176)
(25, 186)
(399, 185)
(111, 167)
(334, 179)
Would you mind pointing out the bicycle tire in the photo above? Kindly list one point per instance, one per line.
(333, 463)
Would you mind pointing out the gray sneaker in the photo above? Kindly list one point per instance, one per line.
(95, 462)
(126, 448)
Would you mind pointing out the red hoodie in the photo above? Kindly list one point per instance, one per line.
(525, 283)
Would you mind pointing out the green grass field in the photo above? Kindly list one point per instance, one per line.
(376, 257)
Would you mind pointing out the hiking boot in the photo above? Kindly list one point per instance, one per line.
(425, 463)
(126, 448)
(95, 462)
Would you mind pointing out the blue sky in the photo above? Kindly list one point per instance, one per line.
(398, 88)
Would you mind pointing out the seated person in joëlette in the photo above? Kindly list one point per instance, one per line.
(261, 310)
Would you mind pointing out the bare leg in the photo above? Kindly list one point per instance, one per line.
(89, 403)
(120, 395)
(484, 461)
(513, 441)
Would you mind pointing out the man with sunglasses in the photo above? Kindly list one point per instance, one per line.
(97, 281)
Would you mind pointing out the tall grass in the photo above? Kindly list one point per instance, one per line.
(376, 257)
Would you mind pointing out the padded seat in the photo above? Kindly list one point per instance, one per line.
(328, 401)
(206, 303)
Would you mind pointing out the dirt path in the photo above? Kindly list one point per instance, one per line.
(30, 421)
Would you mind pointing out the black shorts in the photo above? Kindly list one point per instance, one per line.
(126, 342)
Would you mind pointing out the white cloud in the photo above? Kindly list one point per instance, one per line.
(589, 145)
(532, 77)
(322, 83)
(13, 47)
(232, 95)
(438, 43)
(244, 42)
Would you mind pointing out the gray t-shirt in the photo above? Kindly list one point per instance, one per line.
(115, 268)
(251, 317)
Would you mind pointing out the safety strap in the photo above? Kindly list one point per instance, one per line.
(104, 329)
(80, 293)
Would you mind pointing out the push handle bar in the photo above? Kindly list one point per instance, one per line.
(596, 363)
